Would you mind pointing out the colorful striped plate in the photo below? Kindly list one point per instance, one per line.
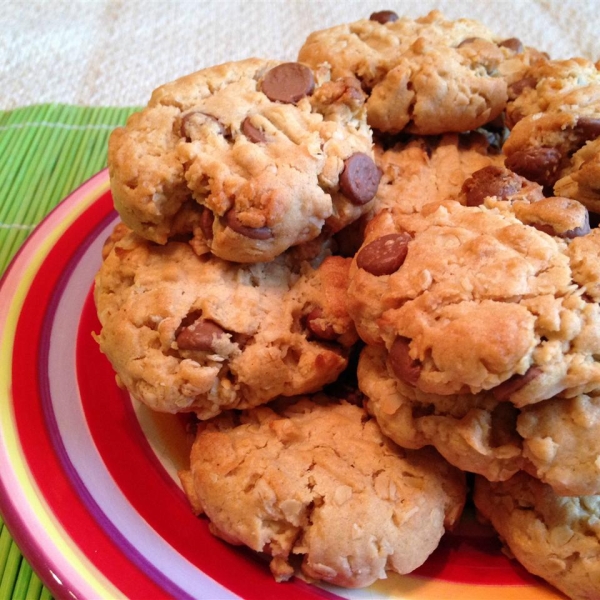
(88, 483)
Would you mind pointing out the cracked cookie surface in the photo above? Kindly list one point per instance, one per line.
(554, 537)
(467, 299)
(428, 75)
(196, 333)
(323, 484)
(252, 157)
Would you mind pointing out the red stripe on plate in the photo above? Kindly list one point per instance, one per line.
(148, 487)
(32, 424)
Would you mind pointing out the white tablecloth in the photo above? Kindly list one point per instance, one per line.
(115, 52)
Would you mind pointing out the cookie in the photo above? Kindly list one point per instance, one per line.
(322, 484)
(584, 255)
(473, 432)
(196, 333)
(429, 169)
(581, 180)
(555, 124)
(552, 536)
(428, 75)
(555, 440)
(467, 299)
(252, 157)
(562, 443)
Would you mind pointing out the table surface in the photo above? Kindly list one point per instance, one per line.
(59, 58)
(109, 52)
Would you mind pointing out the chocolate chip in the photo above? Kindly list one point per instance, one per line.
(404, 367)
(193, 121)
(254, 134)
(503, 430)
(536, 164)
(518, 87)
(507, 388)
(200, 335)
(385, 255)
(578, 231)
(384, 16)
(207, 219)
(569, 234)
(513, 44)
(288, 83)
(255, 233)
(544, 227)
(490, 181)
(323, 331)
(587, 128)
(468, 41)
(359, 178)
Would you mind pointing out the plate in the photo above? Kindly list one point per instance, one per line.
(88, 477)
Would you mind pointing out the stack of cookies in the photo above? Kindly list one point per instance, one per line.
(368, 274)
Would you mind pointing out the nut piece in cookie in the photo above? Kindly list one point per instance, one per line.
(319, 481)
(252, 157)
(552, 536)
(472, 300)
(426, 76)
(199, 334)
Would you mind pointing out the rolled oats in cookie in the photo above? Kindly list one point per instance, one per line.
(199, 334)
(584, 255)
(252, 157)
(561, 443)
(581, 181)
(321, 485)
(555, 440)
(473, 432)
(428, 75)
(428, 169)
(554, 537)
(478, 301)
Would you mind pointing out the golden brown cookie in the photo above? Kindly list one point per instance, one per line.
(428, 75)
(556, 440)
(422, 169)
(318, 481)
(253, 157)
(196, 333)
(552, 536)
(467, 299)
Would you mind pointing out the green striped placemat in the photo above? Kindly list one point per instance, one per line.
(46, 151)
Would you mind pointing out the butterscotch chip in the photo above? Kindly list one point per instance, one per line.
(250, 157)
(552, 536)
(481, 300)
(428, 75)
(319, 481)
(196, 333)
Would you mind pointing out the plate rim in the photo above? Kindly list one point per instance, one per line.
(38, 245)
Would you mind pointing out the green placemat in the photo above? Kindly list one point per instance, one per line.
(46, 151)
